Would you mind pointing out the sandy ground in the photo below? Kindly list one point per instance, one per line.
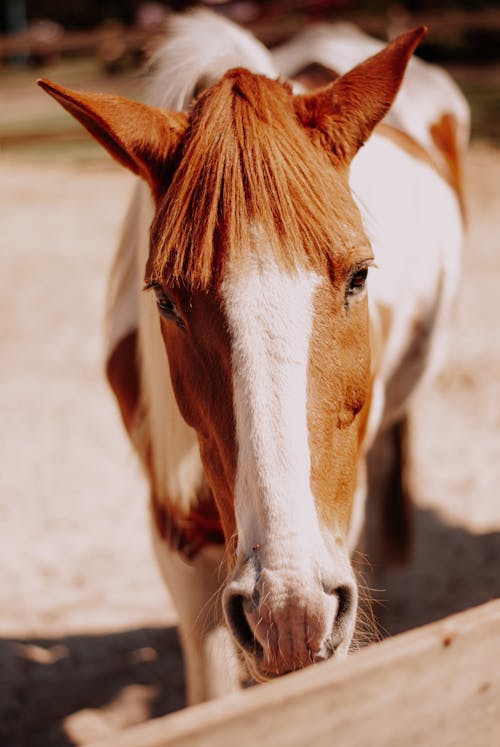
(87, 637)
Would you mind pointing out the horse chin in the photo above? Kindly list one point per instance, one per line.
(258, 673)
(261, 675)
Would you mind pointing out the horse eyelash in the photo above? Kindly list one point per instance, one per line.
(364, 264)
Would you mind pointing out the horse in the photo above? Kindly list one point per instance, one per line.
(255, 372)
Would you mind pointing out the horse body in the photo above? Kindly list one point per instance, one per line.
(255, 427)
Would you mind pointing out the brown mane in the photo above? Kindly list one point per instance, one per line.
(245, 163)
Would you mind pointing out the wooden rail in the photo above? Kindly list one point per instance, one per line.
(436, 686)
(102, 42)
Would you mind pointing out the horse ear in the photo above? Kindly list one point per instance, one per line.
(342, 116)
(140, 137)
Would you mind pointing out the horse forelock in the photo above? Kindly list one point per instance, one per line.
(245, 163)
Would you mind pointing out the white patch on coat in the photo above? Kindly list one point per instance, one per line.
(413, 220)
(122, 297)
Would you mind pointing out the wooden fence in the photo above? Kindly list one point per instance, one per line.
(435, 686)
(113, 40)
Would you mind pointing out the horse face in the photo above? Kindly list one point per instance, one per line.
(269, 358)
(272, 371)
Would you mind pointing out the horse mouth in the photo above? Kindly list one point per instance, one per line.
(260, 673)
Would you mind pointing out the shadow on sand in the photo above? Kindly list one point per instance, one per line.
(451, 570)
(106, 680)
(137, 674)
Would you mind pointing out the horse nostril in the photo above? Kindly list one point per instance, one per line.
(236, 618)
(346, 603)
(345, 597)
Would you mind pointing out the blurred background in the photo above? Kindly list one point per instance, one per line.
(87, 633)
(84, 39)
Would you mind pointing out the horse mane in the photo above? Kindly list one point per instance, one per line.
(199, 48)
(246, 168)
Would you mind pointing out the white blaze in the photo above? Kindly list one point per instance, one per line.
(270, 316)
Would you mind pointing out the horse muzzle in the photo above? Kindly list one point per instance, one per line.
(287, 618)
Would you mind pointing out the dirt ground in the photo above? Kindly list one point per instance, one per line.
(87, 638)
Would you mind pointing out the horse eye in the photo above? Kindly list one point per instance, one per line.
(357, 282)
(166, 306)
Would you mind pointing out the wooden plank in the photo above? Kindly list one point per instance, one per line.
(434, 686)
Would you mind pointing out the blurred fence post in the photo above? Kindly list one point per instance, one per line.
(13, 21)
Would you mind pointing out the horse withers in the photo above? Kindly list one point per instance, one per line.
(253, 374)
